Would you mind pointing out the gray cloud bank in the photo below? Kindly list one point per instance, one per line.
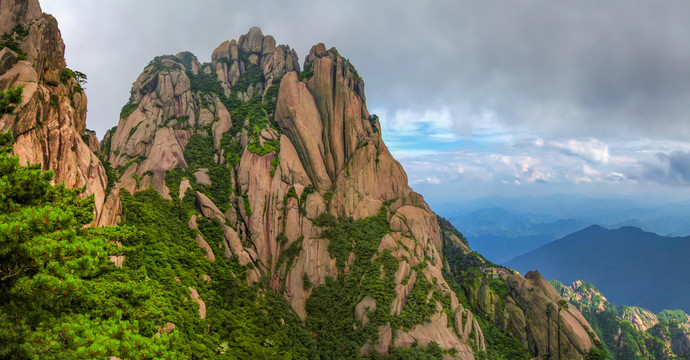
(562, 69)
(671, 169)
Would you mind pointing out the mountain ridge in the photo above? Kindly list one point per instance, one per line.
(620, 261)
(278, 185)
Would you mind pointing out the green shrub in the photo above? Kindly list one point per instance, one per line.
(373, 121)
(306, 283)
(289, 255)
(673, 315)
(307, 72)
(53, 100)
(65, 75)
(252, 75)
(10, 98)
(11, 40)
(128, 109)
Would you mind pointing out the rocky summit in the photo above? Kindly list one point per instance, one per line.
(255, 183)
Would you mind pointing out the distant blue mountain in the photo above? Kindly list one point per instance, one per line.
(501, 228)
(500, 235)
(629, 265)
(663, 219)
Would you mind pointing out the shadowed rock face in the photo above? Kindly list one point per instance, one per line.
(49, 122)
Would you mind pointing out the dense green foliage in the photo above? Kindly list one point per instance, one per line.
(10, 98)
(673, 315)
(271, 99)
(109, 173)
(60, 296)
(307, 72)
(241, 322)
(257, 110)
(199, 155)
(128, 109)
(65, 75)
(205, 83)
(251, 76)
(622, 339)
(11, 40)
(330, 309)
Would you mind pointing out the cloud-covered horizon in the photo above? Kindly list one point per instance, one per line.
(508, 92)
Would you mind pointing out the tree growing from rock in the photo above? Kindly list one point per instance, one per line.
(562, 304)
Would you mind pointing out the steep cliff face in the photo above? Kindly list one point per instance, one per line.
(585, 296)
(528, 309)
(291, 166)
(284, 161)
(49, 121)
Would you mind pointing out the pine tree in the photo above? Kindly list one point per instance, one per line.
(60, 296)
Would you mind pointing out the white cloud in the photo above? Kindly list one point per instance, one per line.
(437, 122)
(591, 150)
(583, 179)
(534, 160)
(446, 137)
(616, 177)
(428, 180)
(587, 170)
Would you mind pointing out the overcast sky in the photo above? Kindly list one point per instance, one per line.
(475, 97)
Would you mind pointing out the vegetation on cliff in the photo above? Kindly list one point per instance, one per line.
(630, 332)
(501, 307)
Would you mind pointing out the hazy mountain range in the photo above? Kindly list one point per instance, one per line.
(629, 265)
(502, 228)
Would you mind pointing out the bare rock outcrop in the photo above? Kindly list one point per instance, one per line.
(50, 118)
(368, 304)
(207, 249)
(641, 319)
(435, 330)
(261, 51)
(202, 305)
(532, 295)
